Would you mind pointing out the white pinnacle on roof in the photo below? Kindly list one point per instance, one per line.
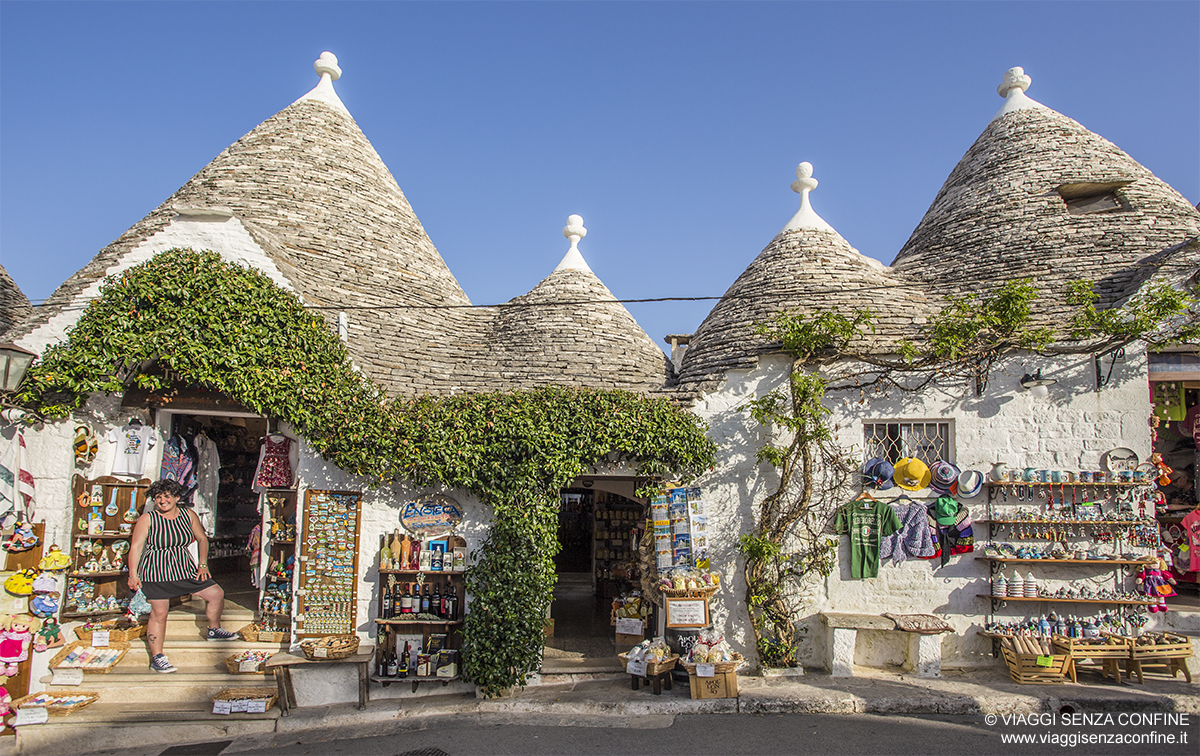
(1012, 89)
(805, 217)
(327, 67)
(574, 231)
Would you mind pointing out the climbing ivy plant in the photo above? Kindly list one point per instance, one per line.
(789, 539)
(232, 330)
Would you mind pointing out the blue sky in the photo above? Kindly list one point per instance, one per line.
(673, 128)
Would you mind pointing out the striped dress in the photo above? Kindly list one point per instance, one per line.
(165, 556)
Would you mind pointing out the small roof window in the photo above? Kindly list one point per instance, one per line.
(1088, 198)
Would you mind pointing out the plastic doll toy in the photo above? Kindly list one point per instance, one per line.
(55, 560)
(50, 636)
(16, 638)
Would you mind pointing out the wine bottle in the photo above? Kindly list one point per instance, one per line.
(381, 656)
(403, 669)
(393, 664)
(386, 610)
(406, 601)
(425, 600)
(451, 601)
(435, 603)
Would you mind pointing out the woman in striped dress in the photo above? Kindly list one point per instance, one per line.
(161, 565)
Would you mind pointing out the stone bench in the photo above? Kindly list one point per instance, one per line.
(843, 634)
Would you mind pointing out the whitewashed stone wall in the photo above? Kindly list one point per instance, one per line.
(1069, 429)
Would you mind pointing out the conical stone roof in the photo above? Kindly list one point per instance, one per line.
(1000, 214)
(807, 268)
(315, 195)
(14, 305)
(569, 329)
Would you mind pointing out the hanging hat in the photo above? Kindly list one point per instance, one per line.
(970, 483)
(944, 510)
(911, 474)
(943, 477)
(879, 472)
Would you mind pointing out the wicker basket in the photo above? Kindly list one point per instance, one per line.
(56, 711)
(654, 668)
(252, 634)
(118, 630)
(1023, 668)
(330, 647)
(270, 695)
(725, 666)
(235, 667)
(121, 646)
(705, 593)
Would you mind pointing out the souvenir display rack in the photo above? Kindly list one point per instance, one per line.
(394, 629)
(102, 517)
(278, 546)
(1066, 511)
(327, 567)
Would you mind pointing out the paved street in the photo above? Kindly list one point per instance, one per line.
(720, 734)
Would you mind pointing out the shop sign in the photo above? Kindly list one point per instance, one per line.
(687, 612)
(431, 515)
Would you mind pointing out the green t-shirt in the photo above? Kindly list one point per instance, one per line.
(865, 522)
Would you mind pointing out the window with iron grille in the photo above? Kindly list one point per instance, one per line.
(893, 441)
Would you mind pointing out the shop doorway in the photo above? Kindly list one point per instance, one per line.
(227, 505)
(1177, 405)
(600, 525)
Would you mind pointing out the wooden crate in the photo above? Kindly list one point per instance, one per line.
(1024, 668)
(1108, 652)
(653, 668)
(1172, 656)
(720, 685)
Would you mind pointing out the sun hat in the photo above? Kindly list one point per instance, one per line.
(944, 510)
(970, 483)
(911, 474)
(879, 473)
(943, 477)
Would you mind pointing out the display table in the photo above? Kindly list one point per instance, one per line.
(281, 664)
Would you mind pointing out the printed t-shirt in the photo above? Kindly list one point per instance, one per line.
(133, 441)
(865, 525)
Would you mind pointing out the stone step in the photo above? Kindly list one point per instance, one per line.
(115, 724)
(131, 684)
(197, 652)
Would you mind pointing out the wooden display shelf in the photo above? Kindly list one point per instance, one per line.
(103, 536)
(422, 572)
(1062, 561)
(1065, 522)
(85, 615)
(107, 573)
(1072, 484)
(395, 621)
(1057, 600)
(416, 681)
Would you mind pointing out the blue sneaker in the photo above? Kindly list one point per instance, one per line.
(160, 664)
(221, 634)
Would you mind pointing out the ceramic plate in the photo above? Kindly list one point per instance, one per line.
(1121, 458)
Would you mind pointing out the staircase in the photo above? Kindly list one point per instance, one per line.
(136, 701)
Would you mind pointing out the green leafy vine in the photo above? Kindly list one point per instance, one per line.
(232, 330)
(789, 541)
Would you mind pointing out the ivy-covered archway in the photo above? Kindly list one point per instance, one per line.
(232, 330)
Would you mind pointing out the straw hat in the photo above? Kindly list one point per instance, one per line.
(970, 483)
(912, 474)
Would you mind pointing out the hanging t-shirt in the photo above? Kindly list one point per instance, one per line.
(133, 442)
(1191, 526)
(866, 522)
